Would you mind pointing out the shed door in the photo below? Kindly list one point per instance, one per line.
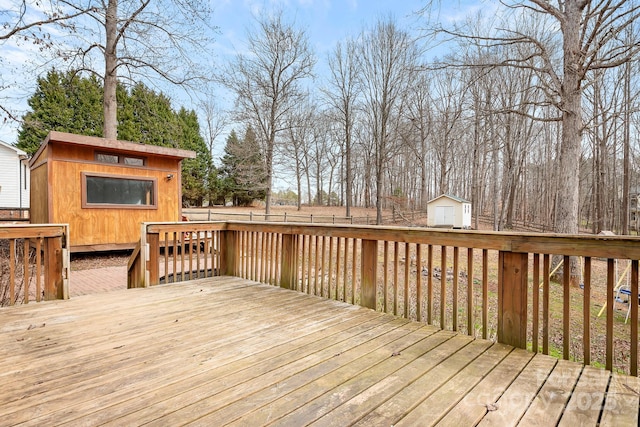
(445, 215)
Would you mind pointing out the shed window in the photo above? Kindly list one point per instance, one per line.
(120, 159)
(123, 192)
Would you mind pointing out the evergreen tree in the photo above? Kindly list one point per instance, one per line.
(243, 169)
(194, 171)
(64, 102)
(72, 103)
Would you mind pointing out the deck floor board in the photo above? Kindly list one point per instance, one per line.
(227, 351)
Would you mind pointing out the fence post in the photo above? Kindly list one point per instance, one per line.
(288, 262)
(512, 298)
(228, 251)
(369, 274)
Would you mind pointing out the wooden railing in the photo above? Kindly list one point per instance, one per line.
(34, 263)
(485, 284)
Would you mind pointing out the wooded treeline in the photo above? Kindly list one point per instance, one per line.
(529, 111)
(531, 114)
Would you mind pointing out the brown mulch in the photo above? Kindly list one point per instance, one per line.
(89, 261)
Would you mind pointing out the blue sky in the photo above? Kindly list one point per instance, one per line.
(325, 21)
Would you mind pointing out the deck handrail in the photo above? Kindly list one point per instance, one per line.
(41, 256)
(431, 275)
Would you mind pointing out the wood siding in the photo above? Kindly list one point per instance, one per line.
(57, 197)
(39, 199)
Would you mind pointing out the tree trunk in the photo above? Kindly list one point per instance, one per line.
(110, 104)
(626, 186)
(348, 171)
(566, 220)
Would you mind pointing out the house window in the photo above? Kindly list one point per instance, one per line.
(104, 191)
(119, 159)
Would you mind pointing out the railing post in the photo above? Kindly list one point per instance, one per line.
(288, 262)
(512, 298)
(369, 274)
(53, 280)
(228, 253)
(153, 265)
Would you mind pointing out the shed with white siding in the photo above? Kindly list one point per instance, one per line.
(14, 182)
(449, 212)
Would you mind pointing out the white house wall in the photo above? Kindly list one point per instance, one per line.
(13, 194)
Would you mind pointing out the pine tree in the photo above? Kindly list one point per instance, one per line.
(243, 170)
(64, 102)
(72, 103)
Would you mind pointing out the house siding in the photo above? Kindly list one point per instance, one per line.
(14, 190)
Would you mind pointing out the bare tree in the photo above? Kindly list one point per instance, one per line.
(27, 21)
(143, 40)
(342, 92)
(589, 40)
(267, 82)
(389, 58)
(295, 147)
(215, 122)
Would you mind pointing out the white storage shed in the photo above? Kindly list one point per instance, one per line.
(449, 211)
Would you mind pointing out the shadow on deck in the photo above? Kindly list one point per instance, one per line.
(228, 351)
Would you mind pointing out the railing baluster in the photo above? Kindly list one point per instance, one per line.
(586, 311)
(25, 261)
(354, 247)
(175, 256)
(330, 268)
(419, 282)
(485, 294)
(470, 328)
(346, 269)
(535, 302)
(183, 243)
(165, 244)
(443, 286)
(316, 266)
(278, 258)
(39, 269)
(385, 276)
(265, 257)
(322, 269)
(546, 269)
(456, 253)
(312, 240)
(634, 318)
(566, 306)
(610, 301)
(304, 273)
(268, 257)
(12, 271)
(338, 265)
(430, 284)
(396, 257)
(407, 265)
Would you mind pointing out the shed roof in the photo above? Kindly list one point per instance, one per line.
(449, 196)
(115, 145)
(18, 151)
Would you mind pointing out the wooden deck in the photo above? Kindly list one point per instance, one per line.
(227, 351)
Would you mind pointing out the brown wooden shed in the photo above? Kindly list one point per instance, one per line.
(104, 188)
